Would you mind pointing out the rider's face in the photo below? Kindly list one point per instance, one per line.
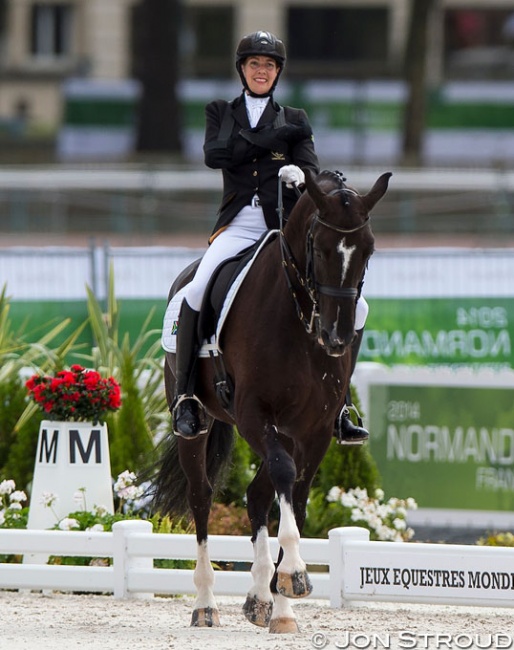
(260, 73)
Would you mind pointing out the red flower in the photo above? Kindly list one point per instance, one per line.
(75, 394)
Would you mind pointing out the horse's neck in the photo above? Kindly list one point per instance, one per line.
(297, 227)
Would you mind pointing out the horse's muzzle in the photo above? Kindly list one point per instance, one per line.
(334, 346)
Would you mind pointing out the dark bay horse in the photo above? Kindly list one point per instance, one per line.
(286, 347)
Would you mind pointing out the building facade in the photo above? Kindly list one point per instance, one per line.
(44, 43)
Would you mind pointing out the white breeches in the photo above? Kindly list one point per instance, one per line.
(243, 231)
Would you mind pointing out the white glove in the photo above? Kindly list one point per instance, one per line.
(291, 175)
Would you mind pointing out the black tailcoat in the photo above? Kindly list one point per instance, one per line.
(250, 158)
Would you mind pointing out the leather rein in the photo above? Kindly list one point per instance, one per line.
(308, 281)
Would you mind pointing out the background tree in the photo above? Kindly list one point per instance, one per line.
(157, 24)
(3, 24)
(415, 70)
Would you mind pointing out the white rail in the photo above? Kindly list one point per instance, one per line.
(358, 570)
(155, 180)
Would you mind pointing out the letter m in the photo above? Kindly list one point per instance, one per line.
(76, 443)
(48, 450)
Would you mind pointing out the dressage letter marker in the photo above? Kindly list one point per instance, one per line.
(70, 457)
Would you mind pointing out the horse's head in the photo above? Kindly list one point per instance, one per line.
(339, 245)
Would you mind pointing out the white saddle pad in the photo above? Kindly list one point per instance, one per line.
(170, 324)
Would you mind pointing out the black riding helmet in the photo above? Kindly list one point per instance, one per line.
(260, 44)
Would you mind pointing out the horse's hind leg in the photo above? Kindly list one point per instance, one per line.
(192, 454)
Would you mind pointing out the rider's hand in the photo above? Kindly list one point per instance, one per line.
(291, 175)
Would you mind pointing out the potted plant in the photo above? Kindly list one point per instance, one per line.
(73, 448)
(76, 395)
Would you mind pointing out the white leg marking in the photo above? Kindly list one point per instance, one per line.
(289, 539)
(262, 567)
(282, 608)
(203, 578)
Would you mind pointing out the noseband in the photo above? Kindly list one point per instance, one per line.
(308, 281)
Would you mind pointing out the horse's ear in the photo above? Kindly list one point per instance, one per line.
(377, 191)
(314, 190)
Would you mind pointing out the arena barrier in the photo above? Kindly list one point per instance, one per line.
(358, 569)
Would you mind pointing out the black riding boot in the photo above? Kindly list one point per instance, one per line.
(345, 431)
(188, 416)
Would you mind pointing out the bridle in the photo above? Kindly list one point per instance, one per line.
(308, 281)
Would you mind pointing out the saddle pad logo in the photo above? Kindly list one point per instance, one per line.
(174, 328)
(276, 155)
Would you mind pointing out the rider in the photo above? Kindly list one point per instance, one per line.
(252, 140)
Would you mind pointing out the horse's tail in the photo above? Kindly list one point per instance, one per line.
(170, 484)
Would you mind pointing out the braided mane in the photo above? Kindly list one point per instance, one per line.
(336, 177)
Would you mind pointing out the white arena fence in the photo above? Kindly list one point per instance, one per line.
(147, 272)
(358, 569)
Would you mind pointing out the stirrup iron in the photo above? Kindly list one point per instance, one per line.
(342, 418)
(202, 419)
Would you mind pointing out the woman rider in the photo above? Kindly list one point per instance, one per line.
(252, 140)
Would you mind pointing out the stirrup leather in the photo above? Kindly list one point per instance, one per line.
(203, 426)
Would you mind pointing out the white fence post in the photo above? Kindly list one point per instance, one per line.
(336, 540)
(122, 561)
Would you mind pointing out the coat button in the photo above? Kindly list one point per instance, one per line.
(255, 173)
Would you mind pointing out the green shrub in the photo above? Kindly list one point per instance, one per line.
(137, 366)
(244, 463)
(385, 520)
(19, 421)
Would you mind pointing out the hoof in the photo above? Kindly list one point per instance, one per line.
(296, 585)
(283, 626)
(258, 611)
(205, 617)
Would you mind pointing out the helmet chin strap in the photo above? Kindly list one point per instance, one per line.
(252, 94)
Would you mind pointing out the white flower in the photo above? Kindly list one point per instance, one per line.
(124, 480)
(360, 493)
(78, 497)
(48, 499)
(348, 500)
(408, 534)
(401, 511)
(411, 504)
(334, 494)
(379, 494)
(100, 511)
(18, 496)
(2, 517)
(8, 486)
(399, 524)
(68, 524)
(97, 528)
(15, 506)
(356, 514)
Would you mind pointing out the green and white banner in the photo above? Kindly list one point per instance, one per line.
(456, 332)
(443, 437)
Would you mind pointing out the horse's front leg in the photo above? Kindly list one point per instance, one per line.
(192, 455)
(292, 577)
(259, 601)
